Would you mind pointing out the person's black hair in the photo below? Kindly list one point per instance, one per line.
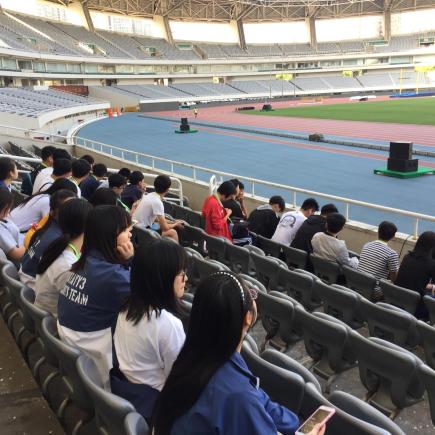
(7, 166)
(61, 167)
(89, 159)
(99, 169)
(386, 231)
(227, 188)
(59, 184)
(116, 180)
(60, 153)
(71, 220)
(310, 204)
(103, 225)
(236, 183)
(425, 245)
(125, 172)
(47, 152)
(328, 208)
(153, 271)
(103, 196)
(136, 177)
(276, 199)
(219, 308)
(335, 222)
(6, 200)
(56, 200)
(162, 183)
(80, 168)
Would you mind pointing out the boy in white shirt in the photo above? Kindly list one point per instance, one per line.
(291, 221)
(151, 208)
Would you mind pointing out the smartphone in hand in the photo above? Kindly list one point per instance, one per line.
(320, 416)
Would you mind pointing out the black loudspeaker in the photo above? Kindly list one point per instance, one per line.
(401, 150)
(266, 107)
(402, 165)
(184, 126)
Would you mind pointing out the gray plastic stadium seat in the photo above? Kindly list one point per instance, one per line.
(135, 424)
(192, 272)
(285, 362)
(251, 343)
(217, 248)
(143, 236)
(295, 258)
(363, 283)
(427, 376)
(327, 343)
(400, 297)
(266, 269)
(13, 285)
(239, 259)
(67, 357)
(427, 341)
(169, 208)
(388, 372)
(193, 237)
(281, 385)
(326, 270)
(110, 410)
(365, 412)
(253, 283)
(299, 286)
(340, 302)
(390, 323)
(269, 246)
(429, 302)
(206, 267)
(255, 249)
(276, 316)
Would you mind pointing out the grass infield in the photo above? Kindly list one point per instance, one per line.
(401, 111)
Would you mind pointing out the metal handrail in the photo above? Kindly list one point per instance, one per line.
(253, 182)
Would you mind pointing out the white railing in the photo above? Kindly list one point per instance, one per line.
(193, 173)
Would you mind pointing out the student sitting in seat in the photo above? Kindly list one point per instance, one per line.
(104, 196)
(117, 183)
(265, 218)
(90, 184)
(11, 241)
(151, 208)
(8, 173)
(134, 191)
(35, 207)
(42, 238)
(80, 171)
(215, 214)
(61, 254)
(149, 333)
(98, 286)
(327, 245)
(210, 390)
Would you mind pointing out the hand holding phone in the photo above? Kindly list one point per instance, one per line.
(315, 424)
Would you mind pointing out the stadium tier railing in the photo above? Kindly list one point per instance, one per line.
(193, 173)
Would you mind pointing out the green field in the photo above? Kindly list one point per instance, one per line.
(402, 111)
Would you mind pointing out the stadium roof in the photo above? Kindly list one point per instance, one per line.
(250, 10)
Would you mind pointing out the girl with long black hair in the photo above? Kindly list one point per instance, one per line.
(97, 286)
(210, 390)
(149, 333)
(35, 207)
(53, 269)
(42, 237)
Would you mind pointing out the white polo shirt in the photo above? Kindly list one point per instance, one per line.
(146, 351)
(150, 206)
(288, 227)
(32, 212)
(43, 178)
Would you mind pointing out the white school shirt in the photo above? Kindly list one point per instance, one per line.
(288, 227)
(150, 206)
(147, 351)
(79, 191)
(31, 212)
(52, 281)
(42, 179)
(10, 236)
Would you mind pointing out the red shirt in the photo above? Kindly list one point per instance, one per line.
(216, 223)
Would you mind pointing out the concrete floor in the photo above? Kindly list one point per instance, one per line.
(23, 410)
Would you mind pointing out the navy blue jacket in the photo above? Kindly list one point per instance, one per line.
(88, 186)
(234, 404)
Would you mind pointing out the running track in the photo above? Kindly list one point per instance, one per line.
(423, 135)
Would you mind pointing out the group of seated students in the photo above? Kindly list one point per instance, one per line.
(317, 233)
(122, 305)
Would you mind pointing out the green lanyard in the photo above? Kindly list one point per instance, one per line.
(127, 209)
(75, 250)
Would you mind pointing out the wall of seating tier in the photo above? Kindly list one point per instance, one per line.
(69, 40)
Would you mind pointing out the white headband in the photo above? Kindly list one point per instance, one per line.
(222, 272)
